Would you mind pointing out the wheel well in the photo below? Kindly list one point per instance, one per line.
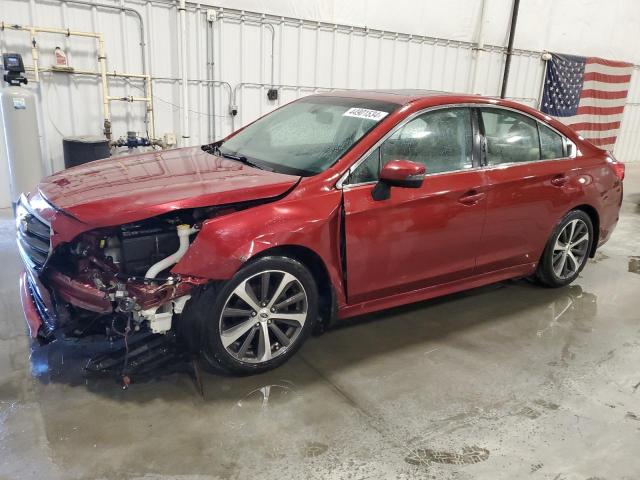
(595, 220)
(327, 299)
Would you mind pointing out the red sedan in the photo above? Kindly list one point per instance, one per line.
(331, 206)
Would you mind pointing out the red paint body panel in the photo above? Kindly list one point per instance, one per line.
(524, 206)
(419, 237)
(226, 242)
(31, 315)
(130, 188)
(458, 230)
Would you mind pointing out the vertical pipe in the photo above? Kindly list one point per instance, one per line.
(479, 48)
(271, 28)
(210, 84)
(182, 10)
(315, 56)
(512, 33)
(151, 125)
(419, 68)
(147, 63)
(44, 144)
(241, 84)
(69, 80)
(125, 60)
(102, 59)
(280, 43)
(35, 56)
(261, 71)
(198, 19)
(333, 55)
(299, 62)
(348, 69)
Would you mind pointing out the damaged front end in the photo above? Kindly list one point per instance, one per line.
(108, 281)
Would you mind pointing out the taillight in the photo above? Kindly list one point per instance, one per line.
(618, 167)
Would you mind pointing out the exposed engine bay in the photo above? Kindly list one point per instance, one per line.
(118, 279)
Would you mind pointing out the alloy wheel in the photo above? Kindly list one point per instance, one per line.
(263, 316)
(570, 249)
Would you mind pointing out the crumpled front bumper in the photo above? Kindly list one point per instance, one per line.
(36, 311)
(44, 290)
(40, 309)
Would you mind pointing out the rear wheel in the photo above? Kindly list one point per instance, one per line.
(567, 250)
(261, 317)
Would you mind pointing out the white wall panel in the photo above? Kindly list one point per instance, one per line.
(230, 59)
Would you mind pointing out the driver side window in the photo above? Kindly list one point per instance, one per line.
(440, 139)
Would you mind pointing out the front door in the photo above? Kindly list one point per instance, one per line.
(419, 237)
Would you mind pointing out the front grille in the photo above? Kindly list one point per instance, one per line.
(33, 237)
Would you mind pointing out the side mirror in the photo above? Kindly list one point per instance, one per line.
(398, 173)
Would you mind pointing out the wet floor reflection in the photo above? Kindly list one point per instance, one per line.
(573, 310)
(561, 313)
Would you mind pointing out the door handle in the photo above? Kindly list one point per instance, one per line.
(472, 197)
(559, 180)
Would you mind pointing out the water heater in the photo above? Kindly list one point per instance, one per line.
(19, 122)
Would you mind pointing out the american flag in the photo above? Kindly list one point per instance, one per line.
(588, 94)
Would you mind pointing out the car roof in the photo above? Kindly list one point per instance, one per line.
(400, 96)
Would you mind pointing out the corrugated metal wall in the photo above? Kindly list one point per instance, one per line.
(235, 57)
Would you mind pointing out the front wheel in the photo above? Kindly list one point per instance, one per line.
(261, 317)
(567, 250)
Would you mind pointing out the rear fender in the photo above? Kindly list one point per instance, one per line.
(227, 242)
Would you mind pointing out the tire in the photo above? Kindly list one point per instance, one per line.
(228, 310)
(562, 262)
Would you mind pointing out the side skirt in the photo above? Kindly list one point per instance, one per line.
(435, 291)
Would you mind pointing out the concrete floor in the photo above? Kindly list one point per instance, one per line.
(503, 382)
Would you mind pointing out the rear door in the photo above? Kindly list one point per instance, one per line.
(419, 236)
(530, 180)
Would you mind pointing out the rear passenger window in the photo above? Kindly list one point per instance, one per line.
(550, 143)
(511, 137)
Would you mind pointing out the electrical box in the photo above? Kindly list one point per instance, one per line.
(170, 139)
(272, 94)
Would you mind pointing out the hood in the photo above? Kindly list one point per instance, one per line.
(133, 187)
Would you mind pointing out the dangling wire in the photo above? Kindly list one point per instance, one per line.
(123, 376)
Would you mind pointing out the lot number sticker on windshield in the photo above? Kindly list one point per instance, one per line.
(375, 115)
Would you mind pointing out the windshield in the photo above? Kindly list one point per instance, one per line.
(308, 136)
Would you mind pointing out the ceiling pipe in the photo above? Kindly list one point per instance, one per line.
(182, 11)
(512, 34)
